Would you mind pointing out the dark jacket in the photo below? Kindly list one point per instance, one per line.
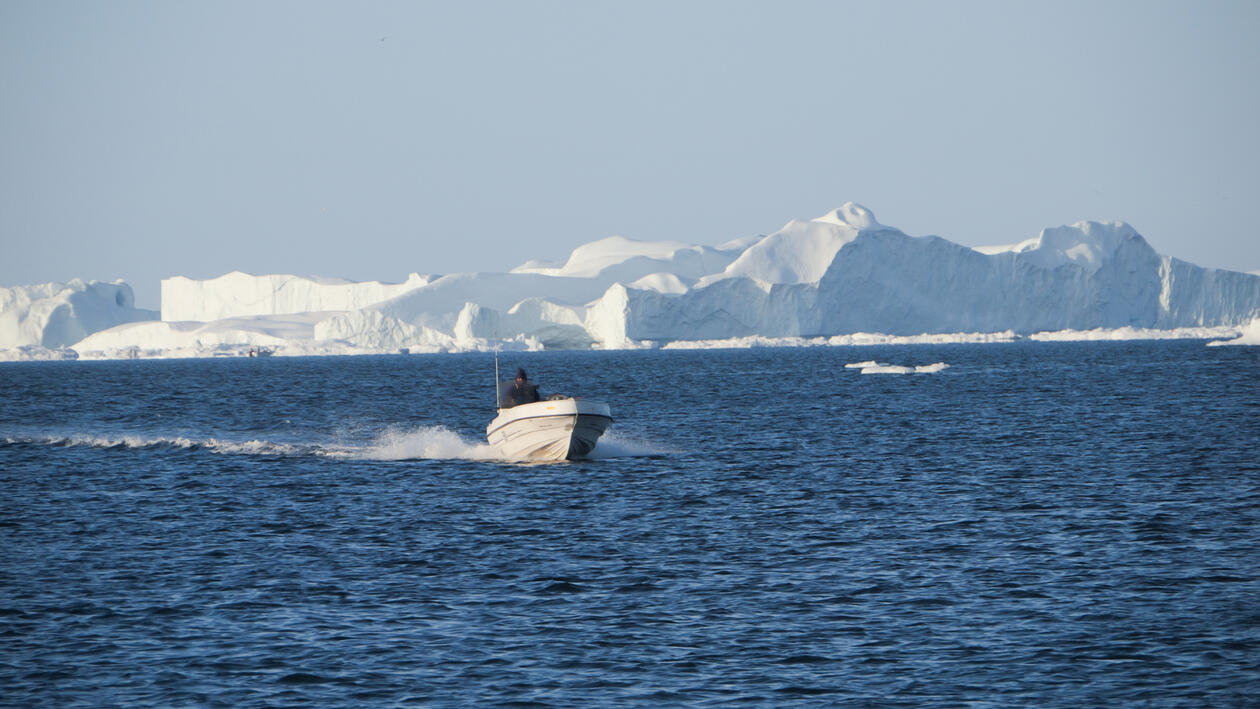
(511, 394)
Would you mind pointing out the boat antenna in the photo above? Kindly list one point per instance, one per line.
(498, 403)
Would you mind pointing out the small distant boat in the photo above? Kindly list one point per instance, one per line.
(260, 352)
(559, 428)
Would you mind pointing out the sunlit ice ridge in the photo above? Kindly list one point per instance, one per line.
(841, 278)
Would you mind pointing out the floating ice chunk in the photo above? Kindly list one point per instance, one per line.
(887, 369)
(862, 365)
(898, 369)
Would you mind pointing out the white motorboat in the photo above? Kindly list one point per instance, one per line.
(553, 429)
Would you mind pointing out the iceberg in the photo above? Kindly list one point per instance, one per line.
(870, 366)
(843, 278)
(52, 316)
(230, 336)
(834, 276)
(238, 294)
(1085, 276)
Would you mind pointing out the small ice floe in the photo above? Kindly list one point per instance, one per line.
(873, 367)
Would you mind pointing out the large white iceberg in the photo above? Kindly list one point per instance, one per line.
(57, 315)
(842, 273)
(1085, 276)
(843, 278)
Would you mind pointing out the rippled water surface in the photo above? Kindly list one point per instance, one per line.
(1038, 524)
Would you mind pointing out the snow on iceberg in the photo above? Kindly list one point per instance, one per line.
(801, 251)
(622, 259)
(1086, 244)
(57, 315)
(238, 294)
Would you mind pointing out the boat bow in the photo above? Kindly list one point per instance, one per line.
(554, 429)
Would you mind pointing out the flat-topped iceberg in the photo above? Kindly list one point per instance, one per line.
(238, 294)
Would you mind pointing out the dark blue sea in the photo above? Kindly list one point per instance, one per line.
(1040, 524)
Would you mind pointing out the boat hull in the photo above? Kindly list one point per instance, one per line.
(562, 429)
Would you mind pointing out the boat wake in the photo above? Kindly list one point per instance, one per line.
(422, 443)
(124, 442)
(439, 442)
(612, 445)
(393, 444)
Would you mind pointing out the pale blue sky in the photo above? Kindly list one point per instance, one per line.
(141, 140)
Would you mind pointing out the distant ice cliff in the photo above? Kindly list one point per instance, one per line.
(824, 279)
